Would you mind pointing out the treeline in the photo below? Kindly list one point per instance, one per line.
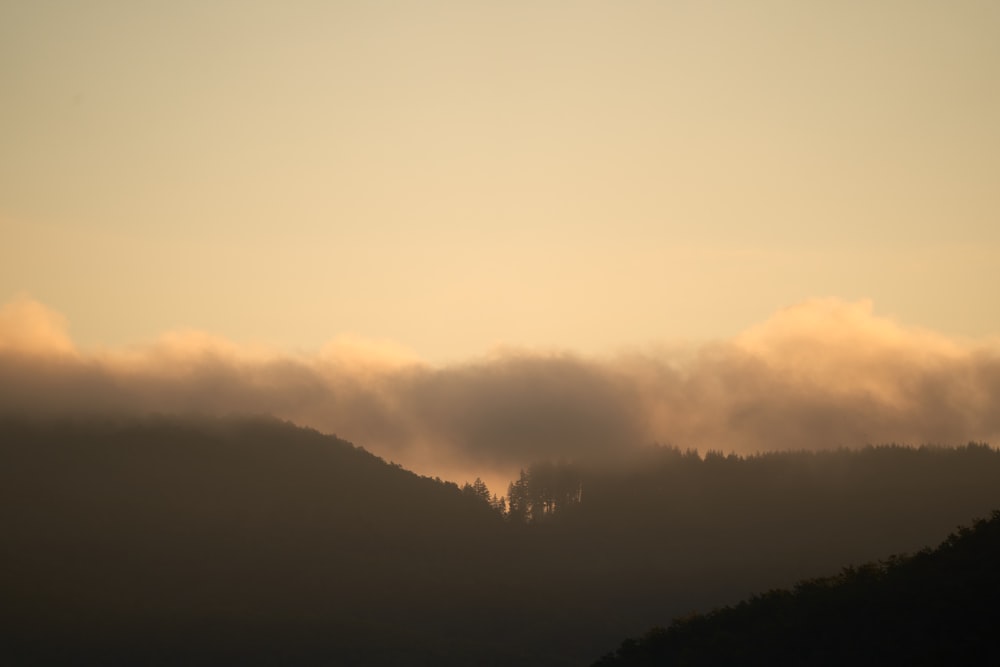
(937, 607)
(542, 492)
(665, 478)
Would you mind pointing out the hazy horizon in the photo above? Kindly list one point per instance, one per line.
(819, 375)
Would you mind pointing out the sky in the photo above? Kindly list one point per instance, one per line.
(502, 206)
(456, 176)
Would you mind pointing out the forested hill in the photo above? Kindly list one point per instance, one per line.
(774, 517)
(171, 541)
(937, 607)
(234, 541)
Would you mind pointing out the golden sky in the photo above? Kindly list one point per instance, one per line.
(450, 176)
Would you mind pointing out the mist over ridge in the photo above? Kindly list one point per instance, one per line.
(819, 375)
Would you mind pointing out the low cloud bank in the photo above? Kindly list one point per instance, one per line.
(823, 374)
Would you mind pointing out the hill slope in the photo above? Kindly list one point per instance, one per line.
(937, 607)
(204, 541)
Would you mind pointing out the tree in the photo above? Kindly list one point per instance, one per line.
(518, 505)
(479, 490)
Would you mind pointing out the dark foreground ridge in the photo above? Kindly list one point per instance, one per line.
(937, 607)
(250, 541)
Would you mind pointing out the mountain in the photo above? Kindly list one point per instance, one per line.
(172, 540)
(250, 541)
(937, 607)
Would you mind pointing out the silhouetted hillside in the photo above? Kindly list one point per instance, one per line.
(193, 541)
(671, 532)
(938, 607)
(251, 541)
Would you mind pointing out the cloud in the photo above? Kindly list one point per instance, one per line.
(825, 373)
(29, 328)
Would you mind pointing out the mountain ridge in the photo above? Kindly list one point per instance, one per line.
(201, 540)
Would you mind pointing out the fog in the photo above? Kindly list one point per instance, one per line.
(822, 374)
